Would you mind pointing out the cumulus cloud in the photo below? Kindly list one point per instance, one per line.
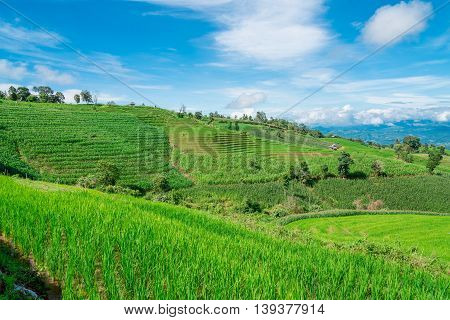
(247, 100)
(261, 30)
(5, 86)
(102, 97)
(11, 70)
(346, 115)
(390, 22)
(52, 76)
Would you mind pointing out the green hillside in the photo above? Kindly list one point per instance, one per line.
(118, 247)
(211, 195)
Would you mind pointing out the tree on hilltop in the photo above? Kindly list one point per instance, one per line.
(86, 96)
(23, 93)
(45, 93)
(77, 98)
(413, 142)
(12, 93)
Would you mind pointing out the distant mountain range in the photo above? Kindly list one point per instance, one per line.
(431, 132)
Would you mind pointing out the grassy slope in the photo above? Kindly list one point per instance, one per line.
(146, 140)
(429, 234)
(103, 246)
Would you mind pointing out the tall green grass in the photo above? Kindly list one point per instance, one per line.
(117, 247)
(428, 234)
(422, 193)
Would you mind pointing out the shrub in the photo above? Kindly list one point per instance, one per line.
(161, 183)
(278, 211)
(119, 190)
(378, 169)
(89, 181)
(108, 173)
(250, 206)
(345, 161)
(368, 204)
(324, 171)
(375, 205)
(434, 158)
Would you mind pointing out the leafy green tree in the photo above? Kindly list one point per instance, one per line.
(413, 142)
(77, 98)
(198, 115)
(261, 117)
(2, 94)
(59, 97)
(299, 172)
(33, 98)
(12, 94)
(86, 96)
(230, 126)
(236, 126)
(23, 93)
(434, 158)
(344, 162)
(45, 93)
(108, 173)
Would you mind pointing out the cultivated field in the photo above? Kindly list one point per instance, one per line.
(425, 234)
(212, 197)
(117, 247)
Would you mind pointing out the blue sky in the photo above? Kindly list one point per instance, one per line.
(239, 56)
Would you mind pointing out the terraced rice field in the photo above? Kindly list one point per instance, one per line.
(428, 235)
(66, 143)
(118, 247)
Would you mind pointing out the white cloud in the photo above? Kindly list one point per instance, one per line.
(371, 85)
(273, 33)
(10, 70)
(247, 100)
(343, 116)
(314, 78)
(102, 97)
(389, 22)
(52, 76)
(5, 86)
(266, 32)
(22, 40)
(443, 116)
(246, 111)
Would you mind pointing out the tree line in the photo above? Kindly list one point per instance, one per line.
(45, 94)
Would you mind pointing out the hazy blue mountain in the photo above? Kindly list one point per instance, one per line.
(429, 131)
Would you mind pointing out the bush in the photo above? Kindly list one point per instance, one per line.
(344, 164)
(108, 173)
(89, 182)
(378, 169)
(161, 184)
(368, 204)
(434, 158)
(250, 206)
(120, 190)
(278, 211)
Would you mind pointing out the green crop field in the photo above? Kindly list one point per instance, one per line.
(429, 235)
(118, 247)
(205, 221)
